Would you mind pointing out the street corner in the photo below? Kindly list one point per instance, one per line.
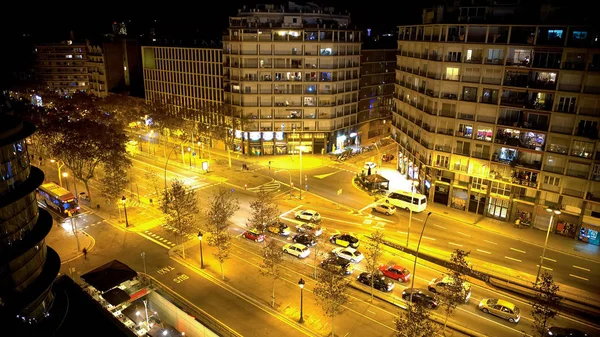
(312, 322)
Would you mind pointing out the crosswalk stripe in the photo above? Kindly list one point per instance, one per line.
(367, 222)
(271, 186)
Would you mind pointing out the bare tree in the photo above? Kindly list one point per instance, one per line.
(455, 292)
(317, 252)
(331, 292)
(270, 266)
(415, 322)
(263, 210)
(181, 207)
(113, 183)
(153, 180)
(545, 305)
(374, 251)
(222, 206)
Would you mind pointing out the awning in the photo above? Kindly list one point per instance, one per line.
(590, 220)
(115, 296)
(109, 275)
(137, 312)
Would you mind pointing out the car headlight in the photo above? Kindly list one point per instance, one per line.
(550, 333)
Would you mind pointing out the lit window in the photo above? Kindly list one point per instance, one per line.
(452, 74)
(579, 35)
(69, 56)
(555, 33)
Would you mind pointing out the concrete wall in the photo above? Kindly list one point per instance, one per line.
(171, 314)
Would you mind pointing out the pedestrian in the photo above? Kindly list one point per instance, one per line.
(269, 164)
(84, 250)
(243, 167)
(369, 171)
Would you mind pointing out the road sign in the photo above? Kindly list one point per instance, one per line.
(339, 191)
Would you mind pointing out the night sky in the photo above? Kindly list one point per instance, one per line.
(53, 21)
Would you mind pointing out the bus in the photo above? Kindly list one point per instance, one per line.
(58, 199)
(402, 199)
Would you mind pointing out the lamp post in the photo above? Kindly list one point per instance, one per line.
(201, 257)
(190, 153)
(146, 309)
(123, 201)
(552, 212)
(143, 254)
(413, 185)
(167, 163)
(59, 166)
(301, 285)
(65, 175)
(412, 281)
(300, 149)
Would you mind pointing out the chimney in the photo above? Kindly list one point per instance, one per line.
(71, 36)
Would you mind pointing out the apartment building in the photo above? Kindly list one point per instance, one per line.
(63, 67)
(502, 119)
(377, 78)
(186, 78)
(293, 72)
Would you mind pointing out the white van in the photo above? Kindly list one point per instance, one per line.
(407, 200)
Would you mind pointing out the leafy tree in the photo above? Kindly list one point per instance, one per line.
(330, 291)
(181, 207)
(455, 293)
(263, 210)
(272, 260)
(222, 206)
(317, 250)
(84, 144)
(152, 180)
(546, 303)
(219, 122)
(373, 253)
(113, 183)
(415, 322)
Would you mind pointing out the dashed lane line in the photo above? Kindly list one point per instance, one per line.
(483, 251)
(547, 268)
(491, 242)
(549, 259)
(517, 250)
(578, 267)
(454, 244)
(578, 277)
(438, 226)
(512, 258)
(464, 234)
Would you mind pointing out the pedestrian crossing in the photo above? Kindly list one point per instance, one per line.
(159, 238)
(380, 225)
(272, 186)
(343, 167)
(177, 231)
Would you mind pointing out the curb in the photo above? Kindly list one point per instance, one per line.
(79, 254)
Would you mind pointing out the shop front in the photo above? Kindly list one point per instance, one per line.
(268, 144)
(402, 163)
(566, 224)
(523, 215)
(498, 207)
(589, 230)
(413, 170)
(255, 143)
(459, 198)
(477, 202)
(442, 189)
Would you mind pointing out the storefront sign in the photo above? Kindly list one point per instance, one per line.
(267, 136)
(238, 134)
(254, 136)
(279, 135)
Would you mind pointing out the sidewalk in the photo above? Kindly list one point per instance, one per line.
(530, 235)
(64, 243)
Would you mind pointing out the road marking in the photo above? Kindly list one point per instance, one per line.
(169, 242)
(322, 176)
(374, 313)
(402, 232)
(490, 242)
(548, 268)
(368, 206)
(549, 259)
(461, 233)
(367, 222)
(427, 237)
(517, 250)
(454, 244)
(438, 226)
(578, 267)
(290, 211)
(483, 251)
(510, 258)
(579, 277)
(380, 224)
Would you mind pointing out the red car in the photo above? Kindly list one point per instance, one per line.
(254, 235)
(395, 272)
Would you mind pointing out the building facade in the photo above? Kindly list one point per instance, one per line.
(186, 78)
(63, 67)
(377, 77)
(29, 267)
(503, 120)
(293, 72)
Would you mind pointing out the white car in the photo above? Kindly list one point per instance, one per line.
(310, 228)
(349, 254)
(370, 165)
(308, 215)
(296, 249)
(384, 208)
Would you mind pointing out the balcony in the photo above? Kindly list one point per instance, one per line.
(574, 65)
(558, 148)
(462, 151)
(486, 119)
(569, 87)
(471, 79)
(447, 95)
(587, 132)
(516, 158)
(577, 173)
(516, 80)
(525, 178)
(481, 155)
(589, 111)
(522, 139)
(588, 89)
(554, 169)
(566, 130)
(496, 61)
(447, 113)
(443, 148)
(444, 131)
(469, 97)
(466, 116)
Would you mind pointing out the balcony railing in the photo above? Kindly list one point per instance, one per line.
(443, 148)
(554, 169)
(577, 173)
(486, 119)
(567, 130)
(447, 113)
(481, 155)
(465, 116)
(444, 131)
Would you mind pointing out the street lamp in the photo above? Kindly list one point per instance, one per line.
(413, 185)
(65, 175)
(190, 153)
(143, 254)
(123, 201)
(412, 281)
(201, 257)
(301, 149)
(301, 285)
(552, 213)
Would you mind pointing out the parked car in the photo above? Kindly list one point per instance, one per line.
(395, 272)
(443, 285)
(338, 265)
(379, 281)
(349, 254)
(384, 208)
(296, 249)
(344, 240)
(565, 332)
(312, 228)
(254, 235)
(369, 165)
(500, 308)
(279, 228)
(421, 295)
(308, 215)
(305, 239)
(387, 157)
